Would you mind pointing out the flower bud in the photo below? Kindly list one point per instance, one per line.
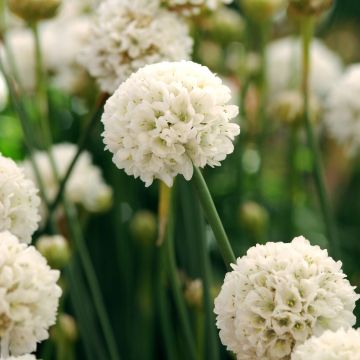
(55, 249)
(34, 10)
(194, 293)
(262, 10)
(143, 227)
(68, 327)
(254, 218)
(309, 7)
(288, 108)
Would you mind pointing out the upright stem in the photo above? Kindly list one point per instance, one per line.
(176, 287)
(307, 34)
(213, 218)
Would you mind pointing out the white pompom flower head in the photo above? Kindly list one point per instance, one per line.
(23, 357)
(167, 118)
(29, 296)
(331, 345)
(280, 294)
(129, 34)
(19, 201)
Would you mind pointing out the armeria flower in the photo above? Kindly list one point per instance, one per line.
(29, 296)
(85, 187)
(168, 117)
(3, 92)
(19, 202)
(342, 116)
(194, 7)
(339, 345)
(23, 357)
(279, 295)
(129, 34)
(285, 54)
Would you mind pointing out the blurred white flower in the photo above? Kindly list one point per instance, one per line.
(29, 296)
(279, 295)
(3, 92)
(85, 186)
(284, 66)
(23, 357)
(129, 34)
(342, 115)
(194, 7)
(167, 117)
(19, 202)
(339, 345)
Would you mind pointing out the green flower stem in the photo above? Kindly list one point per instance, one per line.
(176, 287)
(307, 34)
(213, 218)
(77, 236)
(92, 121)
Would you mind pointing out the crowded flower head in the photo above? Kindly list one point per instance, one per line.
(280, 294)
(194, 7)
(167, 118)
(29, 296)
(129, 34)
(19, 201)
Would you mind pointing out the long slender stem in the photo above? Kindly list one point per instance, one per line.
(176, 287)
(213, 218)
(307, 34)
(92, 121)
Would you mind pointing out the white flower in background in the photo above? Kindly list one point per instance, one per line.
(167, 117)
(24, 357)
(342, 115)
(19, 202)
(284, 66)
(85, 186)
(279, 295)
(129, 34)
(194, 7)
(339, 345)
(29, 296)
(22, 46)
(3, 92)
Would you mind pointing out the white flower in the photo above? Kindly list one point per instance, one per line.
(19, 202)
(342, 116)
(23, 357)
(167, 117)
(85, 186)
(279, 295)
(129, 34)
(194, 7)
(339, 345)
(284, 66)
(29, 296)
(3, 92)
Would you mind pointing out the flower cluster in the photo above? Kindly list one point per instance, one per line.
(168, 117)
(129, 34)
(193, 7)
(279, 295)
(23, 357)
(339, 345)
(29, 295)
(19, 202)
(85, 187)
(285, 54)
(342, 116)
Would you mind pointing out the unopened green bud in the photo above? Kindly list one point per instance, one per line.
(194, 293)
(34, 10)
(143, 226)
(68, 328)
(55, 249)
(254, 218)
(288, 108)
(262, 10)
(309, 7)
